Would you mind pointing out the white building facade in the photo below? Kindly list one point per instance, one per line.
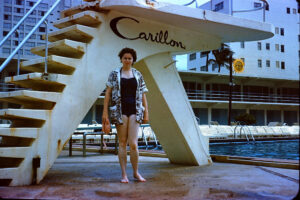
(277, 57)
(268, 88)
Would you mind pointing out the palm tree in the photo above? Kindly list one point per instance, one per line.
(222, 56)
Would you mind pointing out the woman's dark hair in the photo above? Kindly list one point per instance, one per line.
(128, 50)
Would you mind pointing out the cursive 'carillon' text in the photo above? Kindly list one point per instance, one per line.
(162, 37)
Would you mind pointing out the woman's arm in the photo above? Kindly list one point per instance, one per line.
(105, 105)
(146, 114)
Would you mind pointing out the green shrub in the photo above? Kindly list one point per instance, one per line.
(245, 119)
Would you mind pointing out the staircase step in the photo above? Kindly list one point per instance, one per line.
(14, 152)
(55, 64)
(87, 18)
(90, 6)
(67, 48)
(20, 132)
(31, 99)
(11, 113)
(75, 32)
(25, 117)
(40, 81)
(8, 173)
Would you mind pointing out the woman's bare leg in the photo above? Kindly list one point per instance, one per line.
(122, 131)
(133, 127)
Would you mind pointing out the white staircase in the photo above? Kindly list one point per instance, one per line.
(36, 136)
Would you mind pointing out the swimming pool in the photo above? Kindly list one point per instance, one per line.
(278, 149)
(283, 149)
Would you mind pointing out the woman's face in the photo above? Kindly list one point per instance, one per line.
(127, 59)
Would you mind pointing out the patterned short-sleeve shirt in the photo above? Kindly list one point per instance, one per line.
(114, 82)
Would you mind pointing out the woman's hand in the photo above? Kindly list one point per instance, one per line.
(105, 123)
(146, 117)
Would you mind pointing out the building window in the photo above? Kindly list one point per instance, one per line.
(5, 50)
(277, 47)
(28, 27)
(294, 11)
(19, 2)
(276, 30)
(41, 13)
(298, 38)
(215, 66)
(242, 45)
(282, 48)
(43, 5)
(259, 63)
(30, 20)
(203, 68)
(7, 42)
(219, 6)
(33, 36)
(30, 3)
(267, 46)
(29, 44)
(7, 9)
(16, 43)
(282, 31)
(7, 1)
(42, 29)
(288, 10)
(7, 25)
(257, 5)
(243, 59)
(268, 64)
(277, 64)
(282, 65)
(7, 17)
(259, 45)
(193, 56)
(17, 18)
(5, 33)
(204, 54)
(18, 10)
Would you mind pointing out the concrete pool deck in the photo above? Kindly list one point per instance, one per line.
(97, 177)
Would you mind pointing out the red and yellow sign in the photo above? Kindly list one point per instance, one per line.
(238, 65)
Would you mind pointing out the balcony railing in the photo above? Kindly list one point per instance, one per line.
(244, 97)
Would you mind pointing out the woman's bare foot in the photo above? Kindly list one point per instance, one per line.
(139, 178)
(124, 180)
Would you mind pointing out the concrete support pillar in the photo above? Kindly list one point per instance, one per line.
(209, 114)
(171, 115)
(281, 116)
(265, 116)
(94, 112)
(298, 116)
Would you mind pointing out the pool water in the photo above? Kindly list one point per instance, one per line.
(279, 149)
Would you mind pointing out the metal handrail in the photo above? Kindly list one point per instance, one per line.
(19, 23)
(8, 59)
(242, 128)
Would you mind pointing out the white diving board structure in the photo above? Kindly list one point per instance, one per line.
(82, 54)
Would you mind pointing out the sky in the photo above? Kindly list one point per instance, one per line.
(182, 59)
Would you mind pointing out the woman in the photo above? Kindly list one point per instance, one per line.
(126, 90)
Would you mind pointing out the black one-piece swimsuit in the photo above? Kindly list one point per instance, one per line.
(128, 94)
